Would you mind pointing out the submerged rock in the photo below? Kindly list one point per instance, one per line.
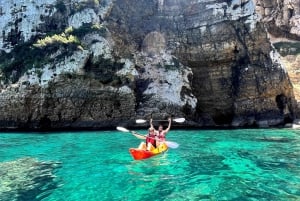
(27, 179)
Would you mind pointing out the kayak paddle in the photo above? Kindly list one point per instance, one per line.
(139, 136)
(170, 144)
(178, 120)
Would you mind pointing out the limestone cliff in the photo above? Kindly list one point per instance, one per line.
(282, 17)
(282, 20)
(99, 63)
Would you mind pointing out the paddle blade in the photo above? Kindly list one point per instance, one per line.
(179, 120)
(172, 145)
(140, 121)
(122, 129)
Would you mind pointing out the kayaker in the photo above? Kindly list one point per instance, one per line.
(150, 140)
(161, 133)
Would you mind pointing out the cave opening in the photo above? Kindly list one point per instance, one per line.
(281, 101)
(221, 118)
(290, 13)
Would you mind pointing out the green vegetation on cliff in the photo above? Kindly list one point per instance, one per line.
(35, 54)
(288, 48)
(23, 57)
(56, 39)
(28, 55)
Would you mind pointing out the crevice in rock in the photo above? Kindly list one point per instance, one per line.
(104, 70)
(45, 123)
(140, 86)
(281, 101)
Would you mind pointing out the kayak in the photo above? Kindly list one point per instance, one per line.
(140, 154)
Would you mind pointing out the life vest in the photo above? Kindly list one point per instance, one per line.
(151, 139)
(161, 135)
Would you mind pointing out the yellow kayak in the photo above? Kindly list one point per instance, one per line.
(140, 154)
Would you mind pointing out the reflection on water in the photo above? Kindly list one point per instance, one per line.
(208, 165)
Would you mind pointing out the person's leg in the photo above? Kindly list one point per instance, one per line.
(142, 146)
(157, 142)
(150, 147)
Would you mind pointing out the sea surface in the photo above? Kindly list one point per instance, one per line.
(237, 165)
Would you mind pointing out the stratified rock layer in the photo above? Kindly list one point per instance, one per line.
(282, 19)
(237, 75)
(110, 62)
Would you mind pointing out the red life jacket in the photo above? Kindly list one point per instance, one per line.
(161, 135)
(151, 139)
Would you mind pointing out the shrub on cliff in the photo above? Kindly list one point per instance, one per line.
(60, 6)
(288, 48)
(89, 28)
(19, 60)
(34, 55)
(57, 39)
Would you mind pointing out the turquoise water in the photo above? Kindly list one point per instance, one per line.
(208, 165)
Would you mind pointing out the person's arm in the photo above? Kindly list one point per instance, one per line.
(151, 124)
(169, 126)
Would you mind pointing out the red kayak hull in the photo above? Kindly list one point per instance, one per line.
(140, 154)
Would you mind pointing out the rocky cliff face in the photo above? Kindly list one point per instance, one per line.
(94, 64)
(282, 20)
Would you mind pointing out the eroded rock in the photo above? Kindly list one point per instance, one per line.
(108, 62)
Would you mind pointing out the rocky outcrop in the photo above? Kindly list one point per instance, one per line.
(94, 64)
(282, 19)
(237, 74)
(27, 179)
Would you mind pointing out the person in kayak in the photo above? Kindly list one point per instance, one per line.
(150, 140)
(161, 133)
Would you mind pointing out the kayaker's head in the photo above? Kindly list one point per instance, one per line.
(151, 130)
(160, 127)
